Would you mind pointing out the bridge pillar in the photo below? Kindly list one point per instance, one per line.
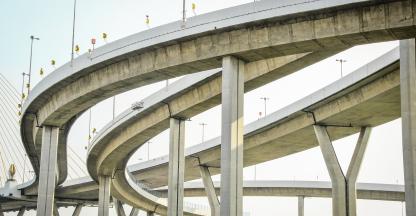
(77, 210)
(354, 169)
(48, 169)
(301, 205)
(344, 191)
(55, 210)
(21, 211)
(104, 195)
(134, 212)
(118, 205)
(232, 137)
(214, 203)
(176, 167)
(408, 112)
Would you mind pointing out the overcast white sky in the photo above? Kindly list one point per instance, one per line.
(52, 22)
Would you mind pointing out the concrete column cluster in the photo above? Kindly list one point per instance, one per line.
(344, 192)
(232, 137)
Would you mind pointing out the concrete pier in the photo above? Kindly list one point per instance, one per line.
(77, 210)
(118, 205)
(48, 168)
(55, 210)
(104, 195)
(301, 206)
(232, 137)
(408, 113)
(354, 170)
(344, 191)
(339, 185)
(214, 203)
(21, 211)
(176, 167)
(134, 212)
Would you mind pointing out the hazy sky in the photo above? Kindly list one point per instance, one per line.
(52, 22)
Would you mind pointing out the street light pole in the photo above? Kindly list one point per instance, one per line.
(73, 32)
(341, 61)
(203, 130)
(183, 13)
(148, 150)
(265, 99)
(114, 107)
(32, 38)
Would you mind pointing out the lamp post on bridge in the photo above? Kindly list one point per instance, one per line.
(341, 61)
(73, 32)
(32, 38)
(148, 150)
(183, 14)
(203, 130)
(265, 99)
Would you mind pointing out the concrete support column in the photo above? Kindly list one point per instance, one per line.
(176, 167)
(77, 210)
(344, 192)
(354, 169)
(301, 205)
(408, 111)
(214, 203)
(134, 212)
(21, 211)
(104, 195)
(118, 205)
(55, 210)
(150, 213)
(339, 185)
(232, 137)
(48, 170)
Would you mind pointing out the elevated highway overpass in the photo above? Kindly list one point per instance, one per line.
(69, 193)
(370, 93)
(274, 40)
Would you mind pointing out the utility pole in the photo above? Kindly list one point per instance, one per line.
(32, 38)
(183, 14)
(114, 107)
(148, 150)
(265, 99)
(341, 61)
(73, 32)
(203, 130)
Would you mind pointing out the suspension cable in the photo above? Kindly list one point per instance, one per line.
(7, 94)
(80, 166)
(3, 164)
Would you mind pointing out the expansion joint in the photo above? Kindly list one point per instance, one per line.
(36, 119)
(180, 118)
(327, 125)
